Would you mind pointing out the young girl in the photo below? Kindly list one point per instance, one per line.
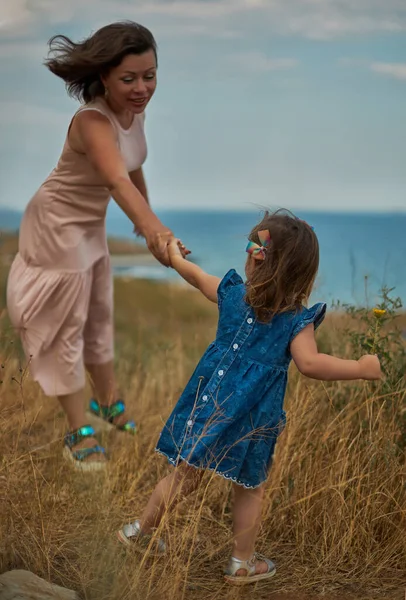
(230, 415)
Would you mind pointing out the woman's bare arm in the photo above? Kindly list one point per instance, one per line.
(138, 179)
(94, 135)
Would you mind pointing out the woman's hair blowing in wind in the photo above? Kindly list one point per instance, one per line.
(81, 64)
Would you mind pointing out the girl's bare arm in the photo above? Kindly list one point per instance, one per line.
(316, 365)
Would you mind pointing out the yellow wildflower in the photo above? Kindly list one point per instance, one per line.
(379, 312)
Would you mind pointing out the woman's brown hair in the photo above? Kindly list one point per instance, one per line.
(282, 281)
(81, 64)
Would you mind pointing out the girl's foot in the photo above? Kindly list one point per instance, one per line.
(130, 535)
(105, 418)
(243, 572)
(83, 451)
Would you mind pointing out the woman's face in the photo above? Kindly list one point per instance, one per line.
(131, 85)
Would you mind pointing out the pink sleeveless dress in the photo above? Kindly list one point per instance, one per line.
(59, 290)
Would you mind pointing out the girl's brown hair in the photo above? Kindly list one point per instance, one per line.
(81, 64)
(282, 281)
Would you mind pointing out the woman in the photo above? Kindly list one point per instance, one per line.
(59, 292)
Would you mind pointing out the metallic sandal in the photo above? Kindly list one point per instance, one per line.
(102, 417)
(130, 535)
(235, 565)
(77, 457)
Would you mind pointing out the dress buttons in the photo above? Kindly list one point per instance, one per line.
(221, 372)
(249, 320)
(190, 423)
(235, 346)
(205, 398)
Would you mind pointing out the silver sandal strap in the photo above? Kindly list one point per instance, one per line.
(134, 530)
(235, 564)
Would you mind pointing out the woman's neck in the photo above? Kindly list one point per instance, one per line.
(124, 117)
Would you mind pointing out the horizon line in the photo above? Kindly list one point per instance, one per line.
(335, 210)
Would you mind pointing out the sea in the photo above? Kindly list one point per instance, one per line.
(359, 253)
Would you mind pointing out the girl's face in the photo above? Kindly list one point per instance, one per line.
(131, 85)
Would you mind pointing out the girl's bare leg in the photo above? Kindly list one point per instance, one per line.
(246, 521)
(168, 492)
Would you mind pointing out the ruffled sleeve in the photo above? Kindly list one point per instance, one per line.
(229, 280)
(314, 315)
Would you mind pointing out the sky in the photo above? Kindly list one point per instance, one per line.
(293, 103)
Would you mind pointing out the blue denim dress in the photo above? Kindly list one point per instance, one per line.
(231, 412)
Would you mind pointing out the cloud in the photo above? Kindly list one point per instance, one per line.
(188, 30)
(194, 8)
(332, 25)
(14, 17)
(314, 19)
(395, 70)
(259, 62)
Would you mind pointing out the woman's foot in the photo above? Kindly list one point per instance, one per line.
(83, 450)
(106, 417)
(90, 443)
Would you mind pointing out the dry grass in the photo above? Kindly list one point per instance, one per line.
(335, 511)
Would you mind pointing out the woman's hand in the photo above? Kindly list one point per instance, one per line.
(157, 242)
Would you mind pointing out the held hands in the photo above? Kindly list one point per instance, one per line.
(158, 243)
(176, 248)
(370, 367)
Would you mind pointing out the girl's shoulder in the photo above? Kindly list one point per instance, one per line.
(307, 316)
(230, 281)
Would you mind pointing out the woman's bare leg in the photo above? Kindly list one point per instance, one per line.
(74, 408)
(104, 385)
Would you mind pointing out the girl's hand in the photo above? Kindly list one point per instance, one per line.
(370, 367)
(177, 248)
(183, 249)
(174, 249)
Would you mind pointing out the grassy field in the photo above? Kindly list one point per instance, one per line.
(335, 510)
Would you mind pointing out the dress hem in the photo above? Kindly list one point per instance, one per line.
(175, 463)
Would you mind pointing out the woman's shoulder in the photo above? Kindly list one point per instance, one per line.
(94, 108)
(88, 119)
